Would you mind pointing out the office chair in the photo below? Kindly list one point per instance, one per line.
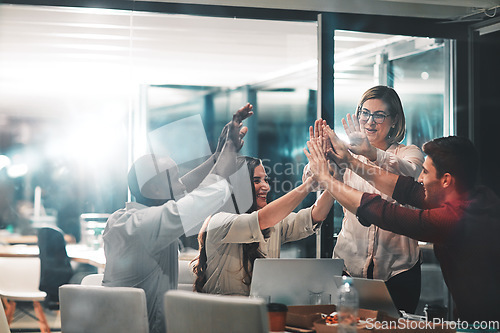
(4, 325)
(55, 265)
(97, 309)
(186, 276)
(19, 279)
(92, 280)
(189, 312)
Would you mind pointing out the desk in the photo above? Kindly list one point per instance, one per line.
(84, 254)
(14, 239)
(77, 252)
(19, 251)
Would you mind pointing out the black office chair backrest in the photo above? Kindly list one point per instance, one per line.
(55, 265)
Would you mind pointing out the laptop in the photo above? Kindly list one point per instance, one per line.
(373, 295)
(294, 281)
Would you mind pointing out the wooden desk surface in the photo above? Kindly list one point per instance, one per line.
(29, 239)
(77, 252)
(19, 250)
(84, 254)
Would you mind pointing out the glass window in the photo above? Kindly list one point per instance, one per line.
(64, 102)
(86, 69)
(420, 81)
(415, 67)
(270, 64)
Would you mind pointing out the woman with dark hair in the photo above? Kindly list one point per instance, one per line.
(375, 135)
(230, 243)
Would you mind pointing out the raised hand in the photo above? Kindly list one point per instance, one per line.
(359, 143)
(234, 129)
(317, 132)
(243, 113)
(222, 138)
(317, 162)
(339, 153)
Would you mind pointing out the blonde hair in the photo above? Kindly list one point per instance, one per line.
(394, 106)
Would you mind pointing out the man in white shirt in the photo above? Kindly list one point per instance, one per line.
(141, 240)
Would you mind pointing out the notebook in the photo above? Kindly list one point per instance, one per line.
(373, 295)
(295, 281)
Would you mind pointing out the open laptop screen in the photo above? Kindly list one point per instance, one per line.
(291, 281)
(373, 295)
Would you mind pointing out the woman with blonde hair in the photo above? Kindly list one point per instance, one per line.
(375, 133)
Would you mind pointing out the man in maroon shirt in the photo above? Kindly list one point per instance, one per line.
(462, 220)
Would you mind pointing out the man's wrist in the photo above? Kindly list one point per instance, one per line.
(228, 149)
(350, 162)
(373, 154)
(215, 156)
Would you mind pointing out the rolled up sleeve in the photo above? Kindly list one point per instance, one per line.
(236, 228)
(162, 225)
(408, 163)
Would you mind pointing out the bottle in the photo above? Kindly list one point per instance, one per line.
(347, 306)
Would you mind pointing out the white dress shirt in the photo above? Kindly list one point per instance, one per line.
(141, 243)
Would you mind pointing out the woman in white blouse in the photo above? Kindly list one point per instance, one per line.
(229, 243)
(375, 135)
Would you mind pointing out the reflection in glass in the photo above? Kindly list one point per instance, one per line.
(420, 81)
(81, 88)
(275, 71)
(415, 67)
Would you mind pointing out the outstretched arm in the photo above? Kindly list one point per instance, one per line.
(407, 163)
(325, 202)
(434, 225)
(280, 208)
(194, 177)
(235, 131)
(348, 197)
(322, 207)
(381, 179)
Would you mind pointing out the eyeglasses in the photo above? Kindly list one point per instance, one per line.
(378, 117)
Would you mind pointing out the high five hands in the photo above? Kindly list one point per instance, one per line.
(234, 130)
(338, 151)
(334, 150)
(359, 143)
(318, 164)
(316, 135)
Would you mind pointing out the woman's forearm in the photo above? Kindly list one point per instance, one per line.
(322, 207)
(348, 197)
(281, 207)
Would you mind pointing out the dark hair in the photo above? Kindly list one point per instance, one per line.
(457, 156)
(133, 185)
(135, 190)
(391, 99)
(250, 250)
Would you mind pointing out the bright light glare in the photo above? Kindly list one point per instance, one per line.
(17, 170)
(4, 161)
(94, 141)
